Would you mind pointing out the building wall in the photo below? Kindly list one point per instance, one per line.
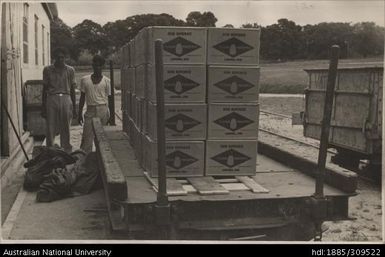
(31, 70)
(14, 72)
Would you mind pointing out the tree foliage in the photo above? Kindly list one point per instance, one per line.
(198, 19)
(284, 40)
(90, 36)
(61, 36)
(121, 31)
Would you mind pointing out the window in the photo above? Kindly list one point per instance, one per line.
(25, 32)
(48, 49)
(42, 43)
(36, 41)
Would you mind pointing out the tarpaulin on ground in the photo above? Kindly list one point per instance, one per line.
(56, 174)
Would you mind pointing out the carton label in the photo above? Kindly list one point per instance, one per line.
(233, 47)
(180, 46)
(230, 158)
(234, 85)
(180, 123)
(233, 121)
(183, 158)
(179, 84)
(179, 160)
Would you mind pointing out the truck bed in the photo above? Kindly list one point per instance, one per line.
(280, 180)
(230, 209)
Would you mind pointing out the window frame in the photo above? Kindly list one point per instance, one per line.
(25, 33)
(43, 45)
(36, 40)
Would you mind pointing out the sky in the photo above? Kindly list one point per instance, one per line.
(228, 12)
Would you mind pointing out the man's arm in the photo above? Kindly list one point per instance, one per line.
(81, 105)
(73, 93)
(44, 95)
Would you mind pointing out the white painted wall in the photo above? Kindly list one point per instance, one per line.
(30, 70)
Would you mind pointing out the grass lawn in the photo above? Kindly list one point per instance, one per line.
(290, 77)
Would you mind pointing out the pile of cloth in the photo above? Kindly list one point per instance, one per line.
(55, 174)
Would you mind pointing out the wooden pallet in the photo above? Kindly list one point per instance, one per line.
(208, 185)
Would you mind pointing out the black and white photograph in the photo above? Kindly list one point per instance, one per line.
(194, 122)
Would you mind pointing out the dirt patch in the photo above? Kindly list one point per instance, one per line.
(283, 105)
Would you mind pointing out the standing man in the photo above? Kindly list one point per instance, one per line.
(59, 102)
(95, 89)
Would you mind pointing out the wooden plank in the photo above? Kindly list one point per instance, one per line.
(113, 134)
(219, 180)
(189, 188)
(115, 179)
(174, 187)
(207, 186)
(125, 157)
(252, 184)
(226, 180)
(336, 176)
(235, 186)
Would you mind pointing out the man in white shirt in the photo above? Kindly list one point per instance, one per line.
(95, 89)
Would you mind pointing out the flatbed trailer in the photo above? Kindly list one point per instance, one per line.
(275, 204)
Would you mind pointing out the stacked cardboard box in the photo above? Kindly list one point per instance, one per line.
(233, 88)
(124, 84)
(184, 77)
(210, 80)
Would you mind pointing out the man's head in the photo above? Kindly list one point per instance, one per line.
(98, 63)
(59, 55)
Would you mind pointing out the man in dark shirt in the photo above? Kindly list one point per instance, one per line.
(59, 102)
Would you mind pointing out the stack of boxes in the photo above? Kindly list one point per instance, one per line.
(210, 99)
(124, 85)
(233, 88)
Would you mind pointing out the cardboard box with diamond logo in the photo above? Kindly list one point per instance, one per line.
(183, 158)
(182, 83)
(181, 45)
(233, 84)
(233, 121)
(237, 157)
(233, 46)
(182, 121)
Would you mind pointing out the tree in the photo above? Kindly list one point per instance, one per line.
(249, 25)
(121, 31)
(198, 19)
(282, 40)
(367, 39)
(228, 26)
(320, 37)
(61, 36)
(90, 36)
(118, 33)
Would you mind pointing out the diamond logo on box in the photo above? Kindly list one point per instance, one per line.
(231, 158)
(233, 47)
(179, 84)
(233, 121)
(234, 85)
(181, 123)
(179, 160)
(180, 46)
